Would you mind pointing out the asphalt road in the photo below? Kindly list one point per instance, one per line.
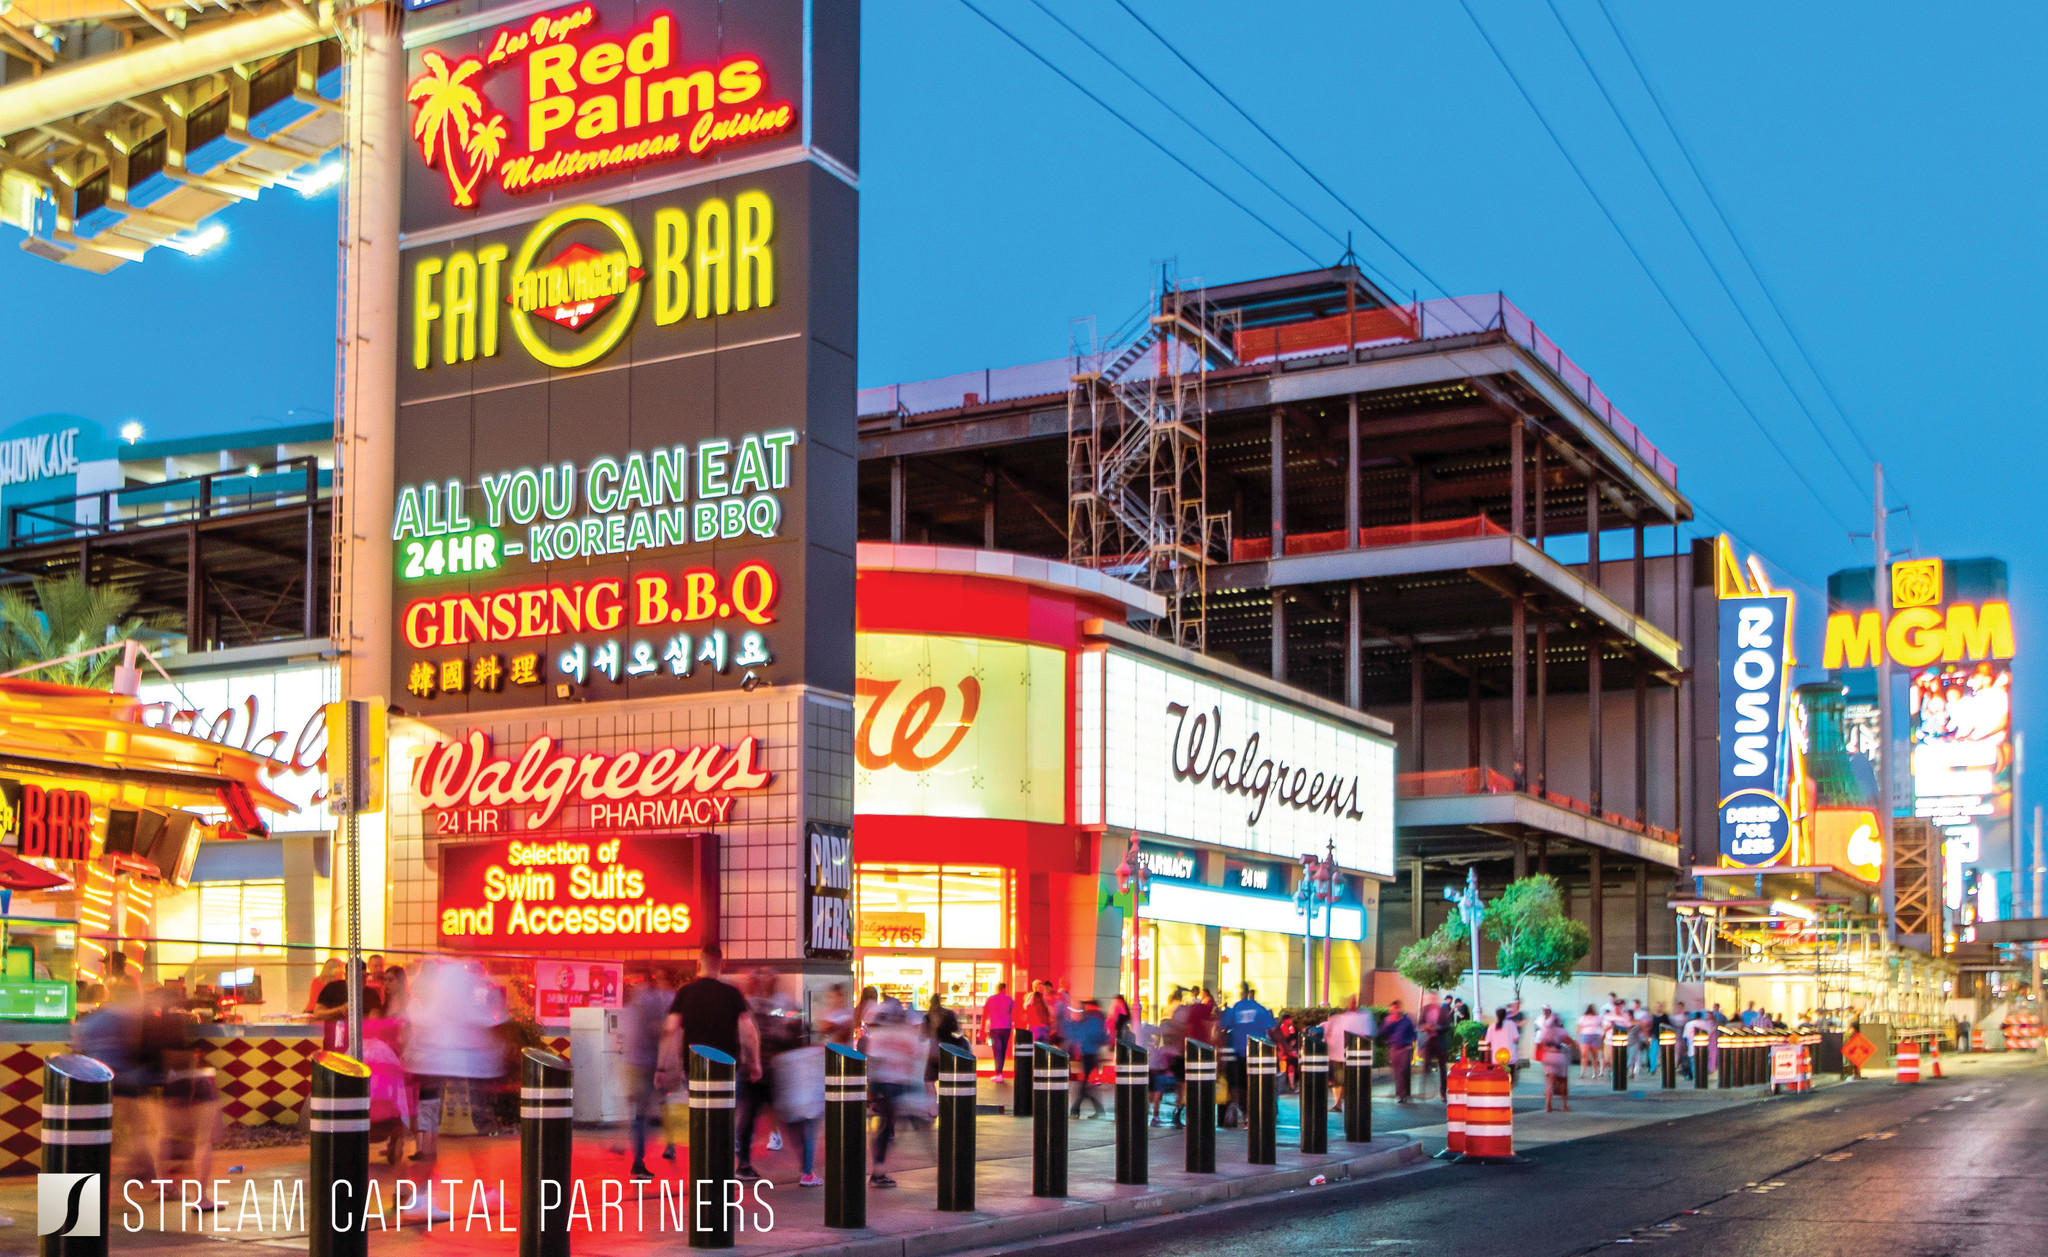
(1867, 1169)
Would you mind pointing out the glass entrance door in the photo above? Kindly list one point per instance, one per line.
(1229, 967)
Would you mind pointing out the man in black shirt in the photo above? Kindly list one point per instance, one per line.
(712, 1012)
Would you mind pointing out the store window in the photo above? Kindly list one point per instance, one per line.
(906, 914)
(903, 906)
(221, 919)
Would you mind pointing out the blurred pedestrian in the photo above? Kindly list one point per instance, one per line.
(1247, 1019)
(895, 1053)
(1398, 1033)
(1088, 1033)
(645, 1024)
(391, 1103)
(1554, 1052)
(837, 1021)
(798, 1076)
(996, 1012)
(1160, 1076)
(771, 1012)
(1353, 1020)
(1434, 1034)
(1591, 1028)
(1503, 1043)
(712, 1013)
(1038, 1017)
(333, 969)
(451, 1040)
(1120, 1020)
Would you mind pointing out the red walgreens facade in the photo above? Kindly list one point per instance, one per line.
(977, 752)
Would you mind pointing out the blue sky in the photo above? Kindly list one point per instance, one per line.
(1879, 161)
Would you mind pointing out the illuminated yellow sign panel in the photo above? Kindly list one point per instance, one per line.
(959, 726)
(716, 260)
(1918, 636)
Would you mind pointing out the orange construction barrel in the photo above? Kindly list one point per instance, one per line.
(1909, 1062)
(1454, 1107)
(1489, 1115)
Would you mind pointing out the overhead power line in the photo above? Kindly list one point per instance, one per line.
(1192, 125)
(1685, 221)
(1143, 134)
(1728, 225)
(1644, 265)
(1285, 151)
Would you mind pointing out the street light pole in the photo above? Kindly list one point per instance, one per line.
(1472, 910)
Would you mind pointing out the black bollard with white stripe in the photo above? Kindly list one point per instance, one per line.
(846, 1128)
(1133, 1146)
(1699, 1063)
(78, 1139)
(338, 1138)
(1667, 1054)
(956, 1129)
(1261, 1102)
(546, 1126)
(714, 1181)
(1315, 1093)
(1357, 1088)
(1020, 1066)
(1617, 1051)
(1200, 1107)
(1048, 1121)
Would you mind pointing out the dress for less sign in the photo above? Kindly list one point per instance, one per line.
(960, 726)
(584, 892)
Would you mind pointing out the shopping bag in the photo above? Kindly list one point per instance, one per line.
(675, 1123)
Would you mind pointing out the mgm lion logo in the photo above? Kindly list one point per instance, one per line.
(1916, 583)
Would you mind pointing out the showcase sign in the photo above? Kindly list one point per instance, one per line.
(960, 726)
(1164, 752)
(1755, 826)
(604, 893)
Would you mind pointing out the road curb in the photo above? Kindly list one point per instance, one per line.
(1082, 1215)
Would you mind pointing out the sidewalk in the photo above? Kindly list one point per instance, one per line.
(482, 1175)
(477, 1180)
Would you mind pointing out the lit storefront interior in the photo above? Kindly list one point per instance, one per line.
(926, 929)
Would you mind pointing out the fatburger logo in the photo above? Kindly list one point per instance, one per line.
(576, 286)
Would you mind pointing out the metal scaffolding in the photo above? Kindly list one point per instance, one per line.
(1137, 457)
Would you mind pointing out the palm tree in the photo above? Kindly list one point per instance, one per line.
(447, 103)
(66, 616)
(483, 146)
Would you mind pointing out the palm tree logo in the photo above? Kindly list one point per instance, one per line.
(447, 114)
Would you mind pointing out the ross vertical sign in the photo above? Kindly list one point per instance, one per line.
(1754, 635)
(828, 892)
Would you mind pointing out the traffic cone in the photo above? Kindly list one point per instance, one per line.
(1934, 1046)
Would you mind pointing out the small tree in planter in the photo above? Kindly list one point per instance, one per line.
(1537, 938)
(1437, 963)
